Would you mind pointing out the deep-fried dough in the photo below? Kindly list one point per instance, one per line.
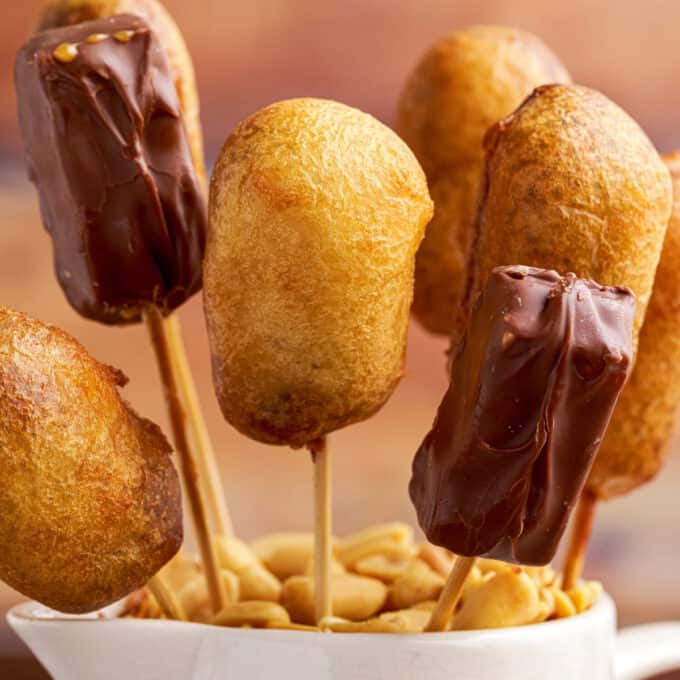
(465, 83)
(316, 211)
(571, 183)
(89, 499)
(639, 435)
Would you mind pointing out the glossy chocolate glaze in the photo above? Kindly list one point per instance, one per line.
(107, 149)
(533, 387)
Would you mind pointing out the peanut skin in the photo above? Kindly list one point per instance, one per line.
(316, 211)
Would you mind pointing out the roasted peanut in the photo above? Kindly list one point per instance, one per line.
(394, 540)
(195, 600)
(510, 598)
(439, 559)
(417, 584)
(426, 606)
(354, 597)
(257, 583)
(233, 553)
(564, 607)
(585, 595)
(406, 621)
(181, 569)
(285, 554)
(253, 615)
(335, 567)
(383, 567)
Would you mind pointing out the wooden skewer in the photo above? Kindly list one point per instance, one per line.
(167, 601)
(442, 613)
(207, 462)
(578, 542)
(323, 600)
(159, 341)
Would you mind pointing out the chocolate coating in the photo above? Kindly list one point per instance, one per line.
(533, 387)
(108, 151)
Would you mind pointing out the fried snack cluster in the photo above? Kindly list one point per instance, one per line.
(640, 433)
(316, 212)
(383, 582)
(90, 502)
(58, 13)
(571, 183)
(465, 83)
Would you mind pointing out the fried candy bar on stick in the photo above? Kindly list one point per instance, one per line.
(533, 387)
(571, 183)
(90, 503)
(642, 427)
(465, 83)
(107, 148)
(316, 212)
(59, 13)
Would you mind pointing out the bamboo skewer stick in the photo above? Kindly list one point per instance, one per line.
(161, 346)
(167, 601)
(442, 613)
(209, 472)
(578, 541)
(323, 600)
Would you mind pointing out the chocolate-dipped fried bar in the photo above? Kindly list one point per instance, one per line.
(533, 387)
(107, 148)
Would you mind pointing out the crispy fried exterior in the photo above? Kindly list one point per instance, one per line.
(89, 499)
(316, 212)
(645, 419)
(571, 183)
(465, 83)
(66, 12)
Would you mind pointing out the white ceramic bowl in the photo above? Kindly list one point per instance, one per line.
(101, 647)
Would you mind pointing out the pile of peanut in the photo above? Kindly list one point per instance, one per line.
(382, 582)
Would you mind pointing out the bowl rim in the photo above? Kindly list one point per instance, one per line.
(25, 614)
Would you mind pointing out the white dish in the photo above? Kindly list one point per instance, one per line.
(102, 647)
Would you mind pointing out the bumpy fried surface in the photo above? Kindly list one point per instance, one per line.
(89, 500)
(66, 12)
(316, 211)
(465, 83)
(645, 419)
(571, 183)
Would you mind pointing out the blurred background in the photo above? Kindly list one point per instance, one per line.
(248, 54)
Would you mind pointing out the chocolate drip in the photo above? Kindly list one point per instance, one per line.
(108, 151)
(533, 387)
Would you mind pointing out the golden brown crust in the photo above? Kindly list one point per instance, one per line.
(571, 183)
(66, 12)
(90, 503)
(466, 82)
(641, 430)
(316, 211)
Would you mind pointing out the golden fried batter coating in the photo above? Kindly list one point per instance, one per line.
(316, 212)
(89, 499)
(465, 83)
(66, 12)
(571, 183)
(640, 432)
